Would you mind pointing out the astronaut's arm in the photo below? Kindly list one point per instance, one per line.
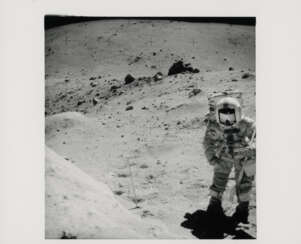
(250, 139)
(212, 151)
(251, 132)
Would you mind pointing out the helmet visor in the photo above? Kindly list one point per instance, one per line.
(227, 116)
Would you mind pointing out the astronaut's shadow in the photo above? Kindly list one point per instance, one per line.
(204, 227)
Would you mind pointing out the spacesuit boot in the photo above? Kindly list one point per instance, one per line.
(214, 208)
(216, 217)
(241, 213)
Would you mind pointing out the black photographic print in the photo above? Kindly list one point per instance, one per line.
(150, 127)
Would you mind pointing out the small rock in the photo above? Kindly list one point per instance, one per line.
(231, 68)
(194, 92)
(158, 76)
(68, 236)
(129, 108)
(118, 192)
(122, 175)
(129, 79)
(245, 76)
(143, 166)
(80, 102)
(95, 101)
(150, 177)
(114, 88)
(180, 67)
(93, 83)
(234, 80)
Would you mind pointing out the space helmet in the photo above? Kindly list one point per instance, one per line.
(228, 112)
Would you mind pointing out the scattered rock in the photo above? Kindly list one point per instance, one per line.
(93, 83)
(158, 76)
(246, 75)
(145, 108)
(122, 175)
(129, 108)
(114, 88)
(146, 213)
(179, 67)
(136, 200)
(129, 79)
(92, 78)
(80, 102)
(194, 92)
(118, 192)
(137, 58)
(150, 177)
(68, 236)
(95, 100)
(143, 166)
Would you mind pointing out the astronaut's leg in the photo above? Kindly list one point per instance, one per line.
(243, 191)
(220, 179)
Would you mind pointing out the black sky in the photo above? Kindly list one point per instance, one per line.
(51, 21)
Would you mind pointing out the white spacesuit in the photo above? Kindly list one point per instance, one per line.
(230, 142)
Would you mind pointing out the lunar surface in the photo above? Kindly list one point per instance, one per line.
(124, 156)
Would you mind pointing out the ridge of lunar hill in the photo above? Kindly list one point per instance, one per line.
(80, 206)
(149, 129)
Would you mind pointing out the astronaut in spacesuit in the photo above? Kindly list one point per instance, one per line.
(229, 142)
